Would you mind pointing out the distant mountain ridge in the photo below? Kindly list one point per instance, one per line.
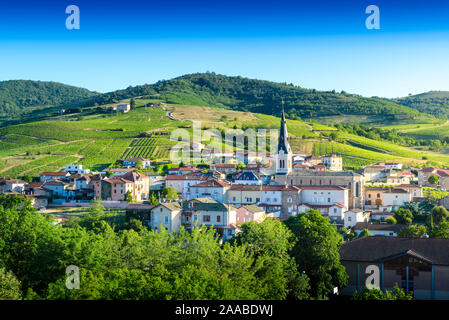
(18, 95)
(435, 103)
(210, 89)
(259, 96)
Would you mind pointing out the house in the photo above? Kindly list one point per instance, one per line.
(248, 178)
(376, 229)
(123, 108)
(60, 189)
(75, 168)
(119, 171)
(182, 183)
(166, 215)
(353, 181)
(240, 194)
(376, 172)
(418, 265)
(354, 216)
(441, 174)
(186, 170)
(227, 168)
(400, 178)
(335, 212)
(387, 198)
(393, 165)
(313, 160)
(291, 197)
(131, 162)
(415, 190)
(250, 213)
(13, 185)
(325, 195)
(140, 188)
(333, 162)
(213, 188)
(38, 201)
(271, 200)
(210, 213)
(157, 182)
(394, 198)
(48, 176)
(112, 189)
(381, 216)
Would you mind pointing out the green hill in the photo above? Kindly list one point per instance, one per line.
(19, 97)
(243, 94)
(433, 102)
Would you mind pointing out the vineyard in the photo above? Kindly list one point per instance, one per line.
(150, 148)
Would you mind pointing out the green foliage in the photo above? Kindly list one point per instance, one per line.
(128, 196)
(433, 179)
(413, 231)
(269, 243)
(9, 286)
(316, 252)
(377, 294)
(403, 216)
(391, 220)
(169, 193)
(364, 233)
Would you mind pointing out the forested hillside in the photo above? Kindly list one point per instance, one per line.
(18, 95)
(433, 102)
(259, 96)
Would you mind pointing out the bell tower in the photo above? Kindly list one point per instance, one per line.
(284, 152)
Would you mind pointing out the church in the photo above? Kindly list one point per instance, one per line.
(284, 174)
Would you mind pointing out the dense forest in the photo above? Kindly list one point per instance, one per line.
(259, 96)
(18, 95)
(434, 102)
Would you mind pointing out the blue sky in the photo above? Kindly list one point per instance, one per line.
(314, 44)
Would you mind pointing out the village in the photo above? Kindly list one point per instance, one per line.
(227, 194)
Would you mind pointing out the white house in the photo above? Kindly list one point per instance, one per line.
(333, 162)
(75, 168)
(214, 189)
(123, 107)
(49, 176)
(166, 215)
(354, 216)
(325, 195)
(182, 183)
(394, 198)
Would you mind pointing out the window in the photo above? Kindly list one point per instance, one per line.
(206, 218)
(165, 219)
(155, 219)
(349, 219)
(218, 219)
(329, 200)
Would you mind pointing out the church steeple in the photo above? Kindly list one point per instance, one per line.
(283, 143)
(284, 152)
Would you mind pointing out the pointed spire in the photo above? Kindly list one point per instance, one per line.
(283, 143)
(283, 112)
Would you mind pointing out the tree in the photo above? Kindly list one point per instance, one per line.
(403, 216)
(391, 220)
(377, 294)
(9, 286)
(139, 164)
(433, 180)
(414, 231)
(27, 178)
(169, 193)
(364, 233)
(128, 196)
(440, 231)
(132, 103)
(316, 252)
(270, 242)
(154, 199)
(438, 214)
